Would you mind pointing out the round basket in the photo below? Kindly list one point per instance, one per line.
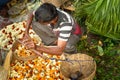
(78, 66)
(57, 3)
(21, 58)
(26, 58)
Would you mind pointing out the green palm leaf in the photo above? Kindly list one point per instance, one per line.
(101, 16)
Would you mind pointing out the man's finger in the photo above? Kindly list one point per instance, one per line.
(29, 45)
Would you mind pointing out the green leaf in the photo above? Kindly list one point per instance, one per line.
(100, 50)
(107, 4)
(102, 15)
(99, 3)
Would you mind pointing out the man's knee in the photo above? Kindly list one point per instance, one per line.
(70, 49)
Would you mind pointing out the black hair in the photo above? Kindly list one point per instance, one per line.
(46, 12)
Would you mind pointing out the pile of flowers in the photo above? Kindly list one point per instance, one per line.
(36, 69)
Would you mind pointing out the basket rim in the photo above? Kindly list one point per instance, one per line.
(25, 58)
(92, 75)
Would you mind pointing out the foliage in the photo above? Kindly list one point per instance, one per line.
(108, 66)
(100, 16)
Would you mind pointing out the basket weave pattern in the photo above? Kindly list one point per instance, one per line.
(81, 63)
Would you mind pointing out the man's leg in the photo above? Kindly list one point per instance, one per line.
(71, 44)
(44, 32)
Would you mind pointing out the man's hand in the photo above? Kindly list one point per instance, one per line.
(27, 42)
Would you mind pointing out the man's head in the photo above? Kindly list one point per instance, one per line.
(46, 13)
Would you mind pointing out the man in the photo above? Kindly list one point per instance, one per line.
(56, 28)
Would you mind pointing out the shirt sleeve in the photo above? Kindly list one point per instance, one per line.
(65, 31)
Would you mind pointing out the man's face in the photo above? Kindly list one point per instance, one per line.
(54, 21)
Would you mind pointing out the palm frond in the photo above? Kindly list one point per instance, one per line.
(101, 16)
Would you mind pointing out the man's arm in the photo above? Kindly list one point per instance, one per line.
(26, 40)
(53, 50)
(29, 21)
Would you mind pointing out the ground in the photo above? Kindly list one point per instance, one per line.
(108, 66)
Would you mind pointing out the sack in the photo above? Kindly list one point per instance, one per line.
(3, 54)
(3, 73)
(4, 70)
(80, 66)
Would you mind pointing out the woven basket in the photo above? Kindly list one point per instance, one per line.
(80, 66)
(19, 58)
(57, 3)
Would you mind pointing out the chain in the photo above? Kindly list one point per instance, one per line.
(66, 59)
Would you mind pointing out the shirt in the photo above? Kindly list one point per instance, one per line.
(64, 25)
